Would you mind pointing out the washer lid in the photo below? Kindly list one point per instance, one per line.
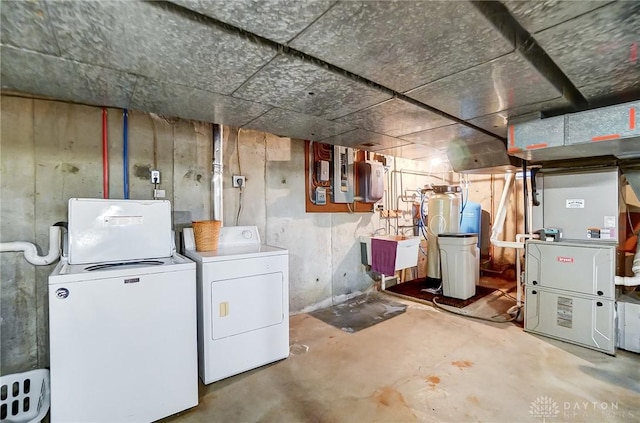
(103, 230)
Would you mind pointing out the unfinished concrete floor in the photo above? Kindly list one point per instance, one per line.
(426, 365)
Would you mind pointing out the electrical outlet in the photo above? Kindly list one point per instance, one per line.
(155, 176)
(238, 181)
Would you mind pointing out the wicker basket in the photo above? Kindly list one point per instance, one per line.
(206, 234)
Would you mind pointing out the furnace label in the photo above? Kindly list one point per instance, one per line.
(575, 203)
(565, 259)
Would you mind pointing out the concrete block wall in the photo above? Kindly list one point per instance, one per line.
(51, 151)
(324, 248)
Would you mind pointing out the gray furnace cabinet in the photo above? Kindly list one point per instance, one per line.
(570, 292)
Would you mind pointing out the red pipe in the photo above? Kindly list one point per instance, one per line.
(105, 155)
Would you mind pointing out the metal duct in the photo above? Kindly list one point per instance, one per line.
(488, 156)
(216, 178)
(606, 131)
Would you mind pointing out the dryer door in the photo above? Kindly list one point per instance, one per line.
(245, 304)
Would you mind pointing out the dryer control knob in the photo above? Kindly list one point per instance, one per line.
(246, 234)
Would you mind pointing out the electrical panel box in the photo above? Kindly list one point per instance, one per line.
(342, 191)
(370, 181)
(570, 291)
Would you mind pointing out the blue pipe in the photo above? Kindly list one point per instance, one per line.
(125, 152)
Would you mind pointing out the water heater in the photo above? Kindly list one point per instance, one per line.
(370, 181)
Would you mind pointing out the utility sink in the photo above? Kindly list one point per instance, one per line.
(406, 250)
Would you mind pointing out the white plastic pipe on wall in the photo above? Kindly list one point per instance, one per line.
(31, 251)
(501, 215)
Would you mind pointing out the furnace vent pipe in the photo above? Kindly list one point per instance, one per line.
(501, 215)
(216, 177)
(31, 251)
(635, 279)
(519, 242)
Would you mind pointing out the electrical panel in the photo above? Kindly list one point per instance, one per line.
(342, 189)
(333, 186)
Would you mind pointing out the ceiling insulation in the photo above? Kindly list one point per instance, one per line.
(413, 79)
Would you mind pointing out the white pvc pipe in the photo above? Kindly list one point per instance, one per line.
(635, 279)
(519, 242)
(501, 215)
(31, 251)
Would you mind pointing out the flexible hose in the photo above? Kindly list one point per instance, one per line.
(487, 319)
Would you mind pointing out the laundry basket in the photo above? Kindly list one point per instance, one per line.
(206, 233)
(24, 397)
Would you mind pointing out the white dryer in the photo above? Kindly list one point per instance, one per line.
(243, 303)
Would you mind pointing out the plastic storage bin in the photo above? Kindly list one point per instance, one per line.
(24, 397)
(459, 257)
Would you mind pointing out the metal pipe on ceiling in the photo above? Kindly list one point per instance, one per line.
(286, 50)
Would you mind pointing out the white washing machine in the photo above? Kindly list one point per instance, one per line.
(122, 332)
(243, 303)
